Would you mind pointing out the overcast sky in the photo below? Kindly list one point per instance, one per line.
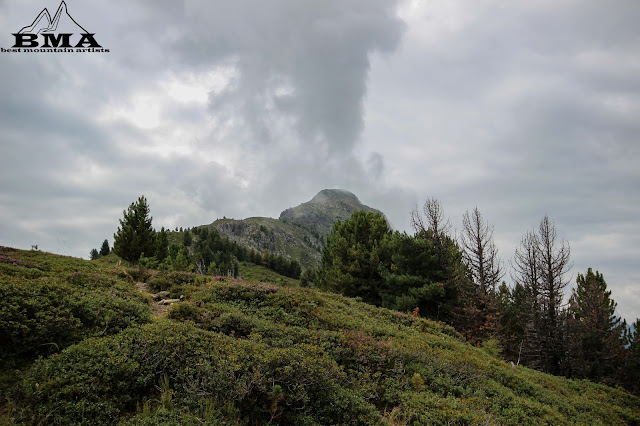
(245, 108)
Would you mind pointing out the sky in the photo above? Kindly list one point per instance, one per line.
(245, 108)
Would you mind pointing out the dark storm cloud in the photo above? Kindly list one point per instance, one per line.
(315, 54)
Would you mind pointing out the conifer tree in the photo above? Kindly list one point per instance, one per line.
(448, 293)
(135, 235)
(631, 364)
(162, 245)
(595, 333)
(105, 250)
(93, 254)
(355, 254)
(187, 239)
(512, 304)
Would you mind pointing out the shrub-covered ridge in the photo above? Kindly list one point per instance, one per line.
(238, 352)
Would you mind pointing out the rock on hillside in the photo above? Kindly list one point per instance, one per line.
(327, 207)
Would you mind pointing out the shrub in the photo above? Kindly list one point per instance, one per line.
(103, 379)
(35, 319)
(168, 280)
(39, 317)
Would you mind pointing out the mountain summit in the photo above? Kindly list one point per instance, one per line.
(334, 194)
(300, 233)
(327, 207)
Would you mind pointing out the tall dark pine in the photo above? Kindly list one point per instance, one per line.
(631, 365)
(595, 333)
(162, 245)
(105, 250)
(458, 305)
(93, 255)
(513, 318)
(135, 235)
(356, 251)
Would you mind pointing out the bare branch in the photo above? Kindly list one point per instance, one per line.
(479, 251)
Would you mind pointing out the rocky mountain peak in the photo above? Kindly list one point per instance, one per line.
(334, 195)
(320, 213)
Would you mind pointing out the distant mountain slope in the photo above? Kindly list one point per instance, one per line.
(279, 238)
(299, 233)
(328, 206)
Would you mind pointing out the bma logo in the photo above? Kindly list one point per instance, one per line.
(60, 32)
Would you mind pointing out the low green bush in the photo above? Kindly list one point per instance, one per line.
(42, 316)
(104, 379)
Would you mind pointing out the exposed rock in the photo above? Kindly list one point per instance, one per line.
(171, 301)
(327, 207)
(160, 295)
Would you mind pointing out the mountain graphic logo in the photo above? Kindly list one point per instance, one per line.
(60, 31)
(62, 22)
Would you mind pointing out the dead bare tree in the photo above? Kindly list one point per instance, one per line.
(553, 259)
(433, 219)
(479, 251)
(525, 271)
(541, 264)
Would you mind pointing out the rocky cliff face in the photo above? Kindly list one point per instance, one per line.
(300, 232)
(327, 207)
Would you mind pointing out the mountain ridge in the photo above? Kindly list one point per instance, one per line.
(299, 232)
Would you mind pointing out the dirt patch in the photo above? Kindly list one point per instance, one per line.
(158, 311)
(143, 288)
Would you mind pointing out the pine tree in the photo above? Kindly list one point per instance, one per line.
(437, 280)
(162, 245)
(135, 235)
(595, 332)
(631, 364)
(513, 308)
(187, 239)
(105, 250)
(93, 254)
(356, 252)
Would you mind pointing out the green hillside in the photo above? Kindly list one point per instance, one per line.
(82, 343)
(280, 238)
